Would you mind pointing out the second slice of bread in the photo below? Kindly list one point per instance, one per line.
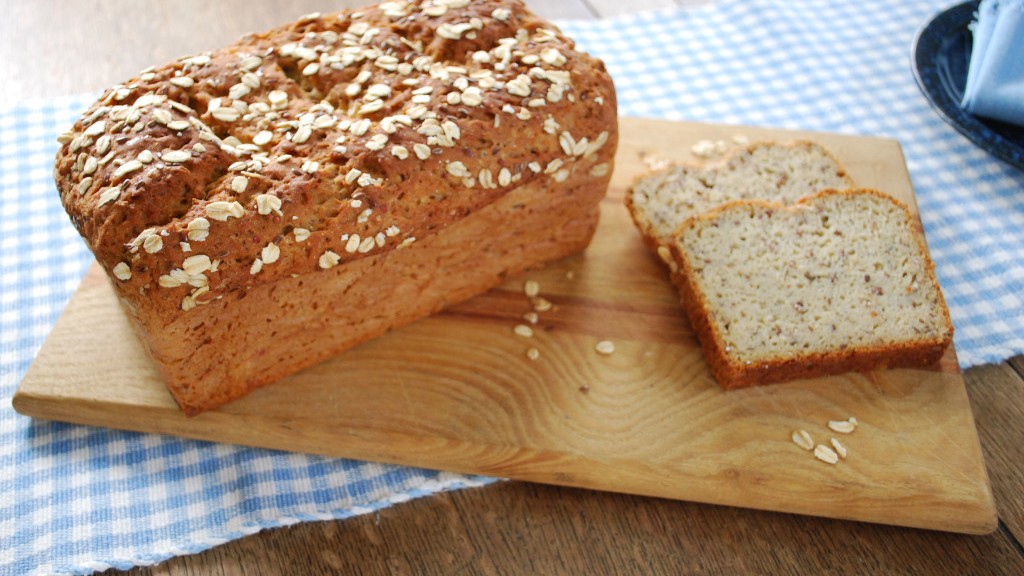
(774, 171)
(839, 281)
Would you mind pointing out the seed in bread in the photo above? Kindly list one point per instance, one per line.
(839, 281)
(661, 201)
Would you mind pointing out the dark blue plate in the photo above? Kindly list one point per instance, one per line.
(942, 52)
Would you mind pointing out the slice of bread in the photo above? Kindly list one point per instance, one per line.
(777, 172)
(836, 282)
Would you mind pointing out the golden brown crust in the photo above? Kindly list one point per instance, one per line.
(332, 311)
(732, 373)
(506, 103)
(325, 142)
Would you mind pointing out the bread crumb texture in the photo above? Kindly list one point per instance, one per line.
(838, 281)
(778, 172)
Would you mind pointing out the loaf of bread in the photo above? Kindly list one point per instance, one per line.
(661, 201)
(839, 281)
(268, 205)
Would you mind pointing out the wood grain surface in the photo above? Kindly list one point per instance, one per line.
(51, 48)
(457, 391)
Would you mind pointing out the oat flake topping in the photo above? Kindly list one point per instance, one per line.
(345, 132)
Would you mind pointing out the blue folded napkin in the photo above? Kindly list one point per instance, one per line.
(995, 77)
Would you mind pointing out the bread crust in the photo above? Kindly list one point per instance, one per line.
(333, 141)
(274, 330)
(733, 373)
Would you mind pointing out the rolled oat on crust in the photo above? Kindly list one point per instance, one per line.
(224, 177)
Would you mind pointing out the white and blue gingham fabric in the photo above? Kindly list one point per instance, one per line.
(839, 66)
(75, 499)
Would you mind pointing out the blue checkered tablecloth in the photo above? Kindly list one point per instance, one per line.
(839, 66)
(75, 499)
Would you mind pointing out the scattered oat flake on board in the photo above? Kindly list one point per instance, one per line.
(523, 330)
(532, 353)
(843, 426)
(803, 439)
(839, 447)
(825, 454)
(605, 347)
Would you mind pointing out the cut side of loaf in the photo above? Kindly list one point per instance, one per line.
(839, 281)
(773, 171)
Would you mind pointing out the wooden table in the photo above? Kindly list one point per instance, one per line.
(51, 48)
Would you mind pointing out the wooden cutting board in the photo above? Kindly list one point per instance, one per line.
(457, 392)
